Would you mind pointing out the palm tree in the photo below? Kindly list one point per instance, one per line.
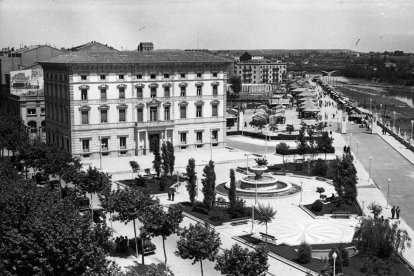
(265, 214)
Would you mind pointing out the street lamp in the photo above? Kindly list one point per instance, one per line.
(247, 161)
(357, 149)
(334, 255)
(394, 128)
(350, 141)
(370, 161)
(370, 102)
(100, 155)
(412, 122)
(388, 191)
(211, 145)
(301, 190)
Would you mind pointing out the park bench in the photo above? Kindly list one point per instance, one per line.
(341, 215)
(224, 204)
(267, 237)
(238, 222)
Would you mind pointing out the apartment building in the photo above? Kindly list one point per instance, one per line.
(261, 71)
(115, 103)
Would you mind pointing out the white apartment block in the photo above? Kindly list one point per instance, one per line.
(115, 103)
(261, 71)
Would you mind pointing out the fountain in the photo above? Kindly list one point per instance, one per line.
(264, 185)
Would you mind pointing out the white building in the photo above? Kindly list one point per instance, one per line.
(261, 71)
(115, 103)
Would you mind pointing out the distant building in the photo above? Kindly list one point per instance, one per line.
(20, 59)
(92, 46)
(27, 100)
(257, 57)
(245, 57)
(145, 46)
(116, 103)
(261, 71)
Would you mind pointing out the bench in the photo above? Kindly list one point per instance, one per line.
(239, 222)
(267, 237)
(224, 204)
(342, 215)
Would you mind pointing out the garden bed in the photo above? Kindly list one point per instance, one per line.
(332, 208)
(355, 263)
(216, 216)
(153, 184)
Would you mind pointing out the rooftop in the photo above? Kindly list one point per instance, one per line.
(134, 57)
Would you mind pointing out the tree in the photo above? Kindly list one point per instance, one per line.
(375, 209)
(171, 156)
(304, 253)
(380, 238)
(157, 222)
(324, 143)
(265, 214)
(345, 178)
(165, 165)
(302, 144)
(282, 149)
(94, 181)
(236, 84)
(209, 185)
(232, 190)
(157, 162)
(198, 242)
(135, 167)
(259, 123)
(290, 128)
(41, 234)
(191, 180)
(129, 204)
(240, 261)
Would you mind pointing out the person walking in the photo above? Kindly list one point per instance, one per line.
(392, 212)
(169, 196)
(172, 194)
(397, 211)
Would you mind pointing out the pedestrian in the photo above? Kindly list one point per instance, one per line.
(392, 212)
(245, 124)
(172, 194)
(397, 211)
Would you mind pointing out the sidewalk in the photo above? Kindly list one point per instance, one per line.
(408, 154)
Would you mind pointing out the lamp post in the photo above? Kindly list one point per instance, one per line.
(301, 190)
(370, 102)
(357, 149)
(412, 122)
(334, 255)
(388, 191)
(394, 128)
(370, 161)
(350, 141)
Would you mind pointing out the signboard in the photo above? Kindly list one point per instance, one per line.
(26, 79)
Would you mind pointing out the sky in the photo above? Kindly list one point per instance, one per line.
(360, 25)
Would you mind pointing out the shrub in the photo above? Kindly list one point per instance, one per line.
(317, 206)
(375, 209)
(239, 209)
(261, 161)
(320, 167)
(304, 253)
(140, 181)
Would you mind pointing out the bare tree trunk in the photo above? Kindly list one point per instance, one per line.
(135, 236)
(91, 206)
(201, 264)
(142, 246)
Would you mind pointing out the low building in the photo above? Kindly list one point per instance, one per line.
(116, 103)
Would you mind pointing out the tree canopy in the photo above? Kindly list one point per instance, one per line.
(191, 180)
(209, 185)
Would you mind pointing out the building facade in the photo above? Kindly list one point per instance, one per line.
(145, 46)
(261, 71)
(114, 104)
(27, 101)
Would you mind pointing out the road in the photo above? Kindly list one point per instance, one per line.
(386, 163)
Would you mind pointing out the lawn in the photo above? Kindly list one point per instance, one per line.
(355, 263)
(216, 216)
(332, 207)
(153, 184)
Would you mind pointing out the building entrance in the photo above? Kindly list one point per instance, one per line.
(152, 138)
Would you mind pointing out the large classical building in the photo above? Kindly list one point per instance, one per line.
(115, 103)
(261, 71)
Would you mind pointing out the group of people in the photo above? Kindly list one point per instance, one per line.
(171, 194)
(395, 212)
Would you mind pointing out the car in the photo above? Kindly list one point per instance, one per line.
(149, 247)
